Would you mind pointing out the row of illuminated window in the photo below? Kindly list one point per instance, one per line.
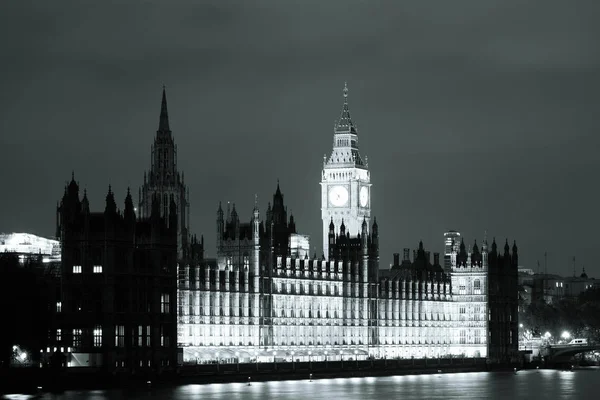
(165, 304)
(462, 286)
(97, 269)
(138, 337)
(142, 363)
(229, 262)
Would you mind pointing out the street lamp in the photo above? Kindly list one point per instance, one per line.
(309, 360)
(565, 335)
(342, 359)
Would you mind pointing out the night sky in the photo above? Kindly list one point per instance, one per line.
(475, 115)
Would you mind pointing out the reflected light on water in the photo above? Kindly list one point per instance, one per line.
(527, 385)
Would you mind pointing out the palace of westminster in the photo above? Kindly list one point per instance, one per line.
(137, 290)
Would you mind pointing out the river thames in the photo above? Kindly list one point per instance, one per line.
(528, 384)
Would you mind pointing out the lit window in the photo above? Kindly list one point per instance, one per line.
(76, 337)
(58, 335)
(462, 287)
(229, 263)
(120, 336)
(477, 286)
(98, 336)
(58, 306)
(76, 269)
(165, 305)
(140, 336)
(97, 269)
(148, 336)
(246, 262)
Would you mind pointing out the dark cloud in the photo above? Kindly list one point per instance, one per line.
(475, 115)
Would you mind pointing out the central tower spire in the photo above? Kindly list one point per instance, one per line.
(163, 125)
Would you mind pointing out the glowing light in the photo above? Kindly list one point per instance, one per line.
(565, 335)
(24, 356)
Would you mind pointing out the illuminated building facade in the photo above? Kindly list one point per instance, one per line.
(470, 297)
(258, 301)
(264, 298)
(118, 285)
(345, 181)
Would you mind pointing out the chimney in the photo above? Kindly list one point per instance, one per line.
(396, 258)
(436, 258)
(406, 255)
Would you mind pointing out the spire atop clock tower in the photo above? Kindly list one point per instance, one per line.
(345, 124)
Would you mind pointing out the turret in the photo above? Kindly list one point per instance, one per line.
(111, 205)
(129, 213)
(85, 204)
(220, 225)
(515, 254)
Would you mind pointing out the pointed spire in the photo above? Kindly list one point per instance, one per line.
(85, 204)
(111, 206)
(163, 125)
(345, 123)
(129, 212)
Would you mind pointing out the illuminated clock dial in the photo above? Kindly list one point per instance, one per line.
(338, 196)
(364, 196)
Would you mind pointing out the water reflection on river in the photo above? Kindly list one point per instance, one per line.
(532, 384)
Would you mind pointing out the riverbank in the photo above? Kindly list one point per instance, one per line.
(31, 380)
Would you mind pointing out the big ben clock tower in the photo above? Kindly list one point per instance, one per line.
(345, 181)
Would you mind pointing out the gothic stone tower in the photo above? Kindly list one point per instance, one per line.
(345, 181)
(164, 180)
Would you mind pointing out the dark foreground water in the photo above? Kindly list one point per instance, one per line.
(531, 384)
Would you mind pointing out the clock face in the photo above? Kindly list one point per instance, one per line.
(364, 196)
(338, 196)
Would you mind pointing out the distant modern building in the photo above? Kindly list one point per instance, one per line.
(576, 285)
(118, 284)
(26, 245)
(452, 242)
(552, 288)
